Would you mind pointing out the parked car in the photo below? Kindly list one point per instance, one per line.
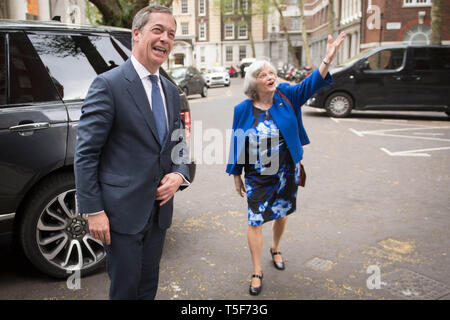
(190, 80)
(401, 77)
(45, 72)
(217, 76)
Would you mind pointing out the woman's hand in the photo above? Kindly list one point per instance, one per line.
(240, 189)
(332, 49)
(333, 46)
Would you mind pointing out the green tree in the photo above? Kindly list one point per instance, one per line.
(283, 25)
(120, 13)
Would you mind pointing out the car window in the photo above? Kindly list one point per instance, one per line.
(124, 41)
(29, 80)
(389, 59)
(431, 58)
(2, 69)
(177, 73)
(75, 60)
(110, 51)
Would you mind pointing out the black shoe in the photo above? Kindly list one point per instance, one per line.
(278, 265)
(254, 291)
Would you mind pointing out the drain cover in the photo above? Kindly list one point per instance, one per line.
(320, 264)
(413, 286)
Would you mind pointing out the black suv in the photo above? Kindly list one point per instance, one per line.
(400, 77)
(45, 72)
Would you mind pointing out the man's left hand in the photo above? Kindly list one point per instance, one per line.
(169, 184)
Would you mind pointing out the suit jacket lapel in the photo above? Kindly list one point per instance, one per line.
(137, 92)
(169, 106)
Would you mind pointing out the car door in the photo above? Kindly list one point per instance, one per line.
(380, 84)
(431, 77)
(33, 120)
(75, 59)
(193, 81)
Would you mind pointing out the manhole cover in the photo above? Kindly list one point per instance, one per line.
(413, 286)
(320, 264)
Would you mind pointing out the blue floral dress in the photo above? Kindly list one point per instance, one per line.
(271, 177)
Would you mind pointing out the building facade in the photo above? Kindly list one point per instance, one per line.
(70, 11)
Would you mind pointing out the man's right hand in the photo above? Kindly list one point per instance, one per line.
(99, 227)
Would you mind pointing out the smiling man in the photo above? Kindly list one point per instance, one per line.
(125, 177)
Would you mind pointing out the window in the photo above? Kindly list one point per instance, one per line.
(295, 23)
(389, 59)
(229, 53)
(202, 31)
(29, 79)
(243, 4)
(242, 52)
(229, 31)
(3, 93)
(74, 60)
(243, 31)
(184, 6)
(431, 59)
(202, 54)
(201, 7)
(228, 6)
(416, 3)
(185, 29)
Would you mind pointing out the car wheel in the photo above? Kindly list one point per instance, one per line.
(204, 92)
(339, 105)
(53, 234)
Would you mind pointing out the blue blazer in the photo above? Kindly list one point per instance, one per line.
(289, 122)
(119, 160)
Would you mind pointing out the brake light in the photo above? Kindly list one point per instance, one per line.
(186, 117)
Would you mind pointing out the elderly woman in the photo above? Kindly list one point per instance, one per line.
(267, 140)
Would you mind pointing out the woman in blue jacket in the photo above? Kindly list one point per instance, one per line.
(267, 140)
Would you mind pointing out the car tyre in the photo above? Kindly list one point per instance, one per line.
(204, 91)
(339, 105)
(53, 234)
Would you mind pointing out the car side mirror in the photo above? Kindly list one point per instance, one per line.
(364, 65)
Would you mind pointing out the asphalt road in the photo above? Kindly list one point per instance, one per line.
(372, 222)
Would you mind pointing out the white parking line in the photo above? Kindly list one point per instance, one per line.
(413, 153)
(417, 135)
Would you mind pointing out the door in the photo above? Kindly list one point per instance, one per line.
(431, 77)
(75, 59)
(381, 85)
(33, 120)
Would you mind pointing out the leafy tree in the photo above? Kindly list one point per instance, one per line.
(120, 13)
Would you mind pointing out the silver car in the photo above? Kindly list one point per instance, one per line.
(217, 76)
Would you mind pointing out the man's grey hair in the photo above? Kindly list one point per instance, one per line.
(251, 74)
(141, 17)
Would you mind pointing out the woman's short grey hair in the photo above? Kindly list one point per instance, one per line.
(251, 74)
(141, 17)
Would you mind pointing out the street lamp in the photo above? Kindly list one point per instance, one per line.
(381, 27)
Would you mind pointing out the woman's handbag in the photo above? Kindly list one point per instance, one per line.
(302, 175)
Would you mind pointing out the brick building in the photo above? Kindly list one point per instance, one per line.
(400, 21)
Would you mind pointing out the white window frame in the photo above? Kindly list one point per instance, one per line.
(185, 24)
(241, 25)
(200, 27)
(185, 4)
(225, 31)
(416, 3)
(232, 7)
(200, 13)
(226, 53)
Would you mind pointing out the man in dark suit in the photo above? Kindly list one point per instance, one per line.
(130, 156)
